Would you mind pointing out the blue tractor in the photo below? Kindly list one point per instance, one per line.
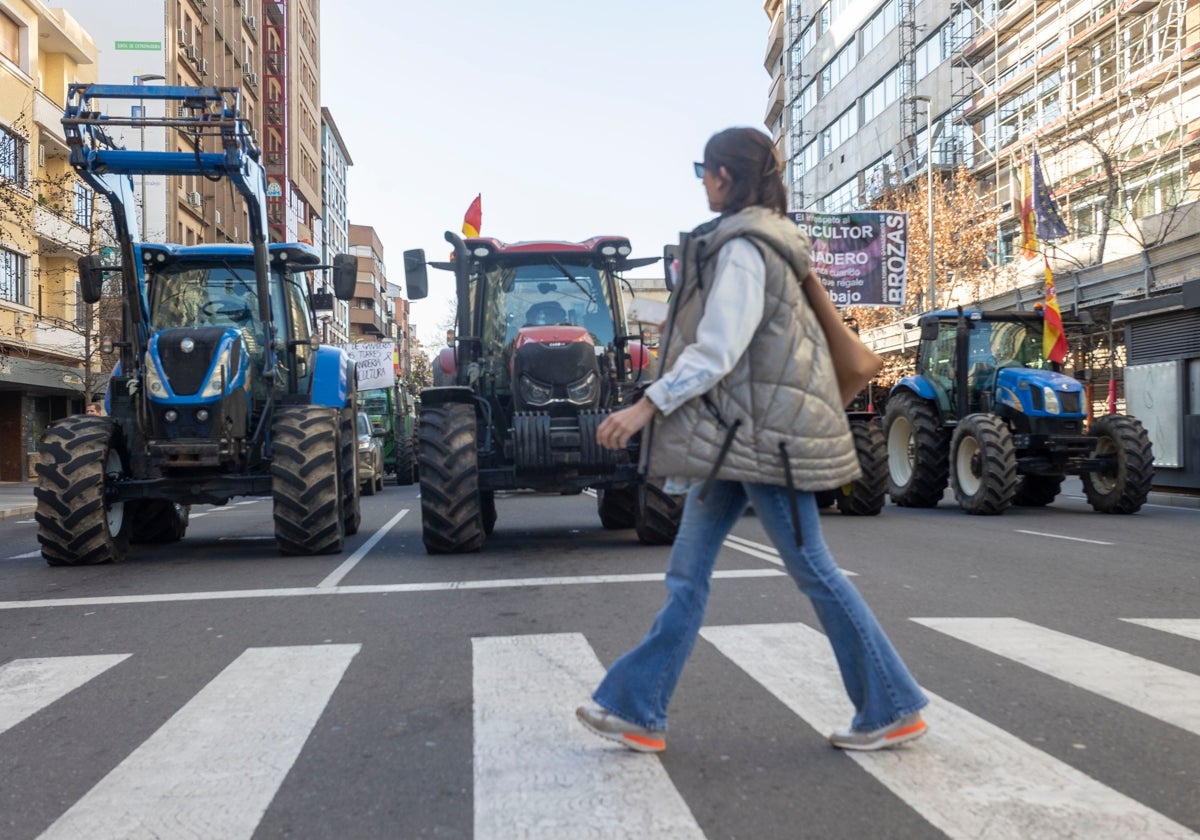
(221, 388)
(989, 413)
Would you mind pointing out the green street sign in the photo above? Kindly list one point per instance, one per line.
(155, 46)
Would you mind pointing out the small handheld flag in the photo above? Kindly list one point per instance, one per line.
(473, 220)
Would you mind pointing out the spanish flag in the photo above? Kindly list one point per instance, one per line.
(473, 221)
(1027, 210)
(1054, 342)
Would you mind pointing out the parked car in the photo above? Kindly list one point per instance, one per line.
(370, 456)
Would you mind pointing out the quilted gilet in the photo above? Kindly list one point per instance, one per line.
(781, 399)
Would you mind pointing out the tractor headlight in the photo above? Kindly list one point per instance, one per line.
(220, 377)
(584, 391)
(1053, 406)
(534, 393)
(154, 383)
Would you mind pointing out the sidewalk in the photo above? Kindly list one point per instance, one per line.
(16, 499)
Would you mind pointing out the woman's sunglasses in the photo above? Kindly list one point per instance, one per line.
(699, 169)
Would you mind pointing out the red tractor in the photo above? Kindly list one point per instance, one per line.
(540, 356)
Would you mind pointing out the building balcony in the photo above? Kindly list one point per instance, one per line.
(370, 321)
(774, 100)
(774, 43)
(58, 235)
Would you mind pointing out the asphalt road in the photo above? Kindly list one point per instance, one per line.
(213, 688)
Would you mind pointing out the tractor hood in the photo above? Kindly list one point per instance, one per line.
(554, 336)
(1039, 392)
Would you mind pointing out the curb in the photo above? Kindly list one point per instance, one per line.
(14, 513)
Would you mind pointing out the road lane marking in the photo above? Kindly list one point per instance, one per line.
(1063, 537)
(1151, 688)
(341, 571)
(213, 768)
(763, 551)
(366, 589)
(27, 554)
(1189, 627)
(539, 774)
(967, 777)
(28, 685)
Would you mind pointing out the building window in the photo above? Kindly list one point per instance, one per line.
(10, 39)
(83, 205)
(882, 95)
(877, 28)
(12, 157)
(14, 277)
(839, 131)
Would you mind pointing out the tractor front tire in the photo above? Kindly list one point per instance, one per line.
(658, 513)
(1125, 487)
(77, 459)
(404, 461)
(866, 495)
(158, 521)
(917, 451)
(983, 465)
(306, 480)
(452, 520)
(617, 506)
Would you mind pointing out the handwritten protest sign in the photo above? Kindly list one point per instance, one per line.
(861, 258)
(373, 361)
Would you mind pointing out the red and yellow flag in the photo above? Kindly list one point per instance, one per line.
(473, 220)
(1028, 213)
(1054, 342)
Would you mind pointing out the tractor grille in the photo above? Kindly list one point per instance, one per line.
(1068, 399)
(186, 371)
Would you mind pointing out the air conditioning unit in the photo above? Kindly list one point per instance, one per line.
(181, 37)
(193, 198)
(251, 22)
(204, 67)
(251, 79)
(217, 216)
(190, 52)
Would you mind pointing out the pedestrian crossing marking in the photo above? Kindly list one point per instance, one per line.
(213, 768)
(538, 773)
(763, 551)
(1189, 627)
(27, 685)
(967, 777)
(1158, 690)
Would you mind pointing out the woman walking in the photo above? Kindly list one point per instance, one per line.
(748, 412)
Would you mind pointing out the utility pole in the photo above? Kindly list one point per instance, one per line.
(929, 189)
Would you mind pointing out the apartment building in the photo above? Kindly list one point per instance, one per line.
(370, 310)
(1105, 91)
(46, 224)
(335, 161)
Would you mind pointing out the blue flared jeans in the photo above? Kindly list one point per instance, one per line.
(639, 685)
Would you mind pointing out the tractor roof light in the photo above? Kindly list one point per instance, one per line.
(481, 251)
(609, 250)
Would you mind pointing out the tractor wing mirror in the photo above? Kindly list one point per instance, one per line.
(345, 275)
(416, 276)
(91, 278)
(929, 330)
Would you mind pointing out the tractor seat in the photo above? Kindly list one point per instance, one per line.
(546, 312)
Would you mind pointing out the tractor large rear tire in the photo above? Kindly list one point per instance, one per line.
(404, 461)
(1124, 488)
(158, 521)
(617, 506)
(865, 497)
(77, 459)
(983, 465)
(306, 481)
(348, 470)
(1037, 490)
(917, 451)
(452, 519)
(658, 514)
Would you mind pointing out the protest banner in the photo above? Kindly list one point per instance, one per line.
(373, 363)
(861, 258)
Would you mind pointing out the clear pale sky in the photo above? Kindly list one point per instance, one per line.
(572, 119)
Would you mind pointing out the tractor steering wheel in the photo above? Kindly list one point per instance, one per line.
(215, 309)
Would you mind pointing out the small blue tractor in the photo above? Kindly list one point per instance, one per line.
(221, 388)
(988, 412)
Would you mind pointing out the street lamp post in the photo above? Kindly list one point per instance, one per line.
(929, 190)
(141, 80)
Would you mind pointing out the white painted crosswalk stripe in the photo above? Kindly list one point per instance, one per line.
(1154, 689)
(213, 768)
(28, 685)
(1189, 627)
(967, 777)
(538, 773)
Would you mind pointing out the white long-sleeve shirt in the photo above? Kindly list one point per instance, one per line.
(732, 313)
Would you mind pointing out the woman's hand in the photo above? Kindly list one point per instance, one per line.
(620, 426)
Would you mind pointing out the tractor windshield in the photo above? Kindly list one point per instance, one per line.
(1006, 344)
(202, 295)
(542, 294)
